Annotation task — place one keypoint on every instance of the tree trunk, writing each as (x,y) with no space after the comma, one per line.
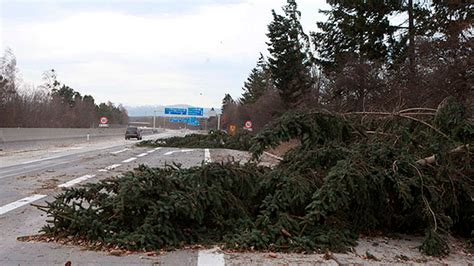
(411,39)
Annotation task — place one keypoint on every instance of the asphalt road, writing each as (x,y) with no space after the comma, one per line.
(32,177)
(36,176)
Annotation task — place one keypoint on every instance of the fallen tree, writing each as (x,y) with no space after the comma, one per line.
(352,174)
(216,139)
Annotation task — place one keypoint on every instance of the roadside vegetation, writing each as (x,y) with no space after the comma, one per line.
(215,139)
(52,104)
(385,131)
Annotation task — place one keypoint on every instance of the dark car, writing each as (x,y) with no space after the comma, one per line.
(133,132)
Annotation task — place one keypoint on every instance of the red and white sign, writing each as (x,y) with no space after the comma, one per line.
(248,124)
(104,120)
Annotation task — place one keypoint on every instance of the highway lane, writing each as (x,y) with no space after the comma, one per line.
(31,172)
(39,180)
(19,218)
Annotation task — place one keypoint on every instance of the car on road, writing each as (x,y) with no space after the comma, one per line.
(133,132)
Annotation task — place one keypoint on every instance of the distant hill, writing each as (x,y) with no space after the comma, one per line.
(147,110)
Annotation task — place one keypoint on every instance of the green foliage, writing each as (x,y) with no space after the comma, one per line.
(351,174)
(257,83)
(159,207)
(67,95)
(434,245)
(452,17)
(227,101)
(373,182)
(217,139)
(115,114)
(290,61)
(363,29)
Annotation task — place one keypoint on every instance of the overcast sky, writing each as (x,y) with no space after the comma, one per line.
(144,52)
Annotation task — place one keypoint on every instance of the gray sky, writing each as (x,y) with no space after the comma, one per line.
(144,52)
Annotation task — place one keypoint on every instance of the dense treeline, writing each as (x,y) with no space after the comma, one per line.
(367,55)
(52,104)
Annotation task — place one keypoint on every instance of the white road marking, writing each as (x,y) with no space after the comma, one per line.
(66,149)
(210,257)
(120,151)
(171,152)
(142,154)
(129,160)
(207,156)
(75,181)
(113,166)
(110,167)
(152,151)
(44,159)
(24,201)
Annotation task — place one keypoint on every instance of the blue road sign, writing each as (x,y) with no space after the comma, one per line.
(176,120)
(175,111)
(195,111)
(192,121)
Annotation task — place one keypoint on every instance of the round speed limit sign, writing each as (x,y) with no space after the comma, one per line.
(248,124)
(104,120)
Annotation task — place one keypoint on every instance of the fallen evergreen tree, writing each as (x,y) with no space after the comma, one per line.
(216,139)
(404,172)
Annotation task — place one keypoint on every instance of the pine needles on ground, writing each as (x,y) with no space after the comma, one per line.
(408,172)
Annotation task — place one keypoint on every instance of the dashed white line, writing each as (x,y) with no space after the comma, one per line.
(16,204)
(129,160)
(210,257)
(207,156)
(120,151)
(75,181)
(43,159)
(142,154)
(171,152)
(152,151)
(110,167)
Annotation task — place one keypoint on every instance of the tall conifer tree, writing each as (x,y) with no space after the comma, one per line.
(257,83)
(290,59)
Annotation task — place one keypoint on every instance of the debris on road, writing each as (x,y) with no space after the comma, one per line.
(217,139)
(353,174)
